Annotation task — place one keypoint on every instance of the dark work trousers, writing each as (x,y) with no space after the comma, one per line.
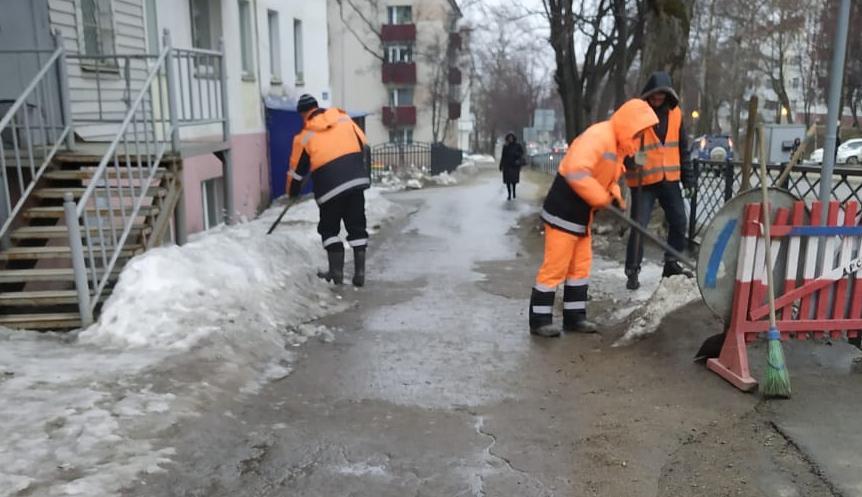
(669,196)
(350,208)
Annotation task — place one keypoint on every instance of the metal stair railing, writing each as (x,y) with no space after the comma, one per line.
(32,131)
(101,220)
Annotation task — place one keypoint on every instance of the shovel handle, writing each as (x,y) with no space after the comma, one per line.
(651,237)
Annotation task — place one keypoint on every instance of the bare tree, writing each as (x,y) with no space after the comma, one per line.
(668,23)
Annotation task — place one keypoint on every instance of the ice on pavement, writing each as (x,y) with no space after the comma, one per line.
(217,317)
(671,294)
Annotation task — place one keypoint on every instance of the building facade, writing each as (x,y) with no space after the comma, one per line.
(404,63)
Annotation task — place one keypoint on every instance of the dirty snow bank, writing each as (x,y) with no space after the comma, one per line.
(671,294)
(185,326)
(415,178)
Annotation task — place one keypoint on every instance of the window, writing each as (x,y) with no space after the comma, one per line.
(404,135)
(97,21)
(399,53)
(400,14)
(401,97)
(245,39)
(274,46)
(206,24)
(795,82)
(212,192)
(298,63)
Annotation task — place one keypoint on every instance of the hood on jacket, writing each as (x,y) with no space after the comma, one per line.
(506,138)
(660,81)
(631,118)
(323,119)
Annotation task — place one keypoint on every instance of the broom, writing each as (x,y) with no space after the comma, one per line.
(776,380)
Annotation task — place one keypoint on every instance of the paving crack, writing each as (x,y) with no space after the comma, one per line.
(491,455)
(812,465)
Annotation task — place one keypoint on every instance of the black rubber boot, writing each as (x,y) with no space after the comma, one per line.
(359,266)
(336,267)
(542,322)
(674,268)
(580,324)
(632,282)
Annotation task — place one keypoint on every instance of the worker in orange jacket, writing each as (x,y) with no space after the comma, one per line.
(332,149)
(587,179)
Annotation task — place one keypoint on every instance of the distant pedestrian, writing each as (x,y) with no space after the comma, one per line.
(587,180)
(512,159)
(332,148)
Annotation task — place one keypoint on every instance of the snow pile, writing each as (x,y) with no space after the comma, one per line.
(672,293)
(443,179)
(217,317)
(479,158)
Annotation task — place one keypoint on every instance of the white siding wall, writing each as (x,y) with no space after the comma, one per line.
(313,14)
(84,84)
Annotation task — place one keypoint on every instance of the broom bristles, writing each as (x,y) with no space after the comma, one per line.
(776,382)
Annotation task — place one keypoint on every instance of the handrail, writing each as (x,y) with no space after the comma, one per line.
(52,127)
(101,221)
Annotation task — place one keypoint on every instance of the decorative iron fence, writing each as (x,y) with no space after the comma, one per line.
(718,182)
(394,157)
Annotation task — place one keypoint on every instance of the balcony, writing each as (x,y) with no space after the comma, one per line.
(399,73)
(454,110)
(398,32)
(400,116)
(454,76)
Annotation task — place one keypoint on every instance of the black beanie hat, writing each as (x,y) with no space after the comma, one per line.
(306,103)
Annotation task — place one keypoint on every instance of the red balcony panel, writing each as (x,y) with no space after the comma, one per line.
(399,116)
(454,76)
(454,110)
(399,73)
(455,41)
(398,32)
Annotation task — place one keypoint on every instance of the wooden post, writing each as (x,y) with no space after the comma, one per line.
(748,153)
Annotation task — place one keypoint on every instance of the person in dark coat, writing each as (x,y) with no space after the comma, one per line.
(511,161)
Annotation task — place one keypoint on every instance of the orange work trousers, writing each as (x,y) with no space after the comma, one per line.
(568,259)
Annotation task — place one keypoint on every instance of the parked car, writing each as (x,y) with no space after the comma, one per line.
(559,147)
(816,156)
(850,152)
(712,147)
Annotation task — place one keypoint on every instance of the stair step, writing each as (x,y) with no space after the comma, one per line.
(28,275)
(47,297)
(53,321)
(84,174)
(58,193)
(58,212)
(38,253)
(60,232)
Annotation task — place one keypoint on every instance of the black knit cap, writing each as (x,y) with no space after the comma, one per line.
(306,103)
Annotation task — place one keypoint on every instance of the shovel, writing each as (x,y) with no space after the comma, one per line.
(290,203)
(685,261)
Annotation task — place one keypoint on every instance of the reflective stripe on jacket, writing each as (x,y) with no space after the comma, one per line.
(331,149)
(663,159)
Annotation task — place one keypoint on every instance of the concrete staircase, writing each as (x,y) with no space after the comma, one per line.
(37,281)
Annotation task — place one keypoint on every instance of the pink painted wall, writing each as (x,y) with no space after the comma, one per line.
(250,179)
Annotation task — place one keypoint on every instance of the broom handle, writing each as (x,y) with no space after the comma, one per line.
(644,232)
(767,229)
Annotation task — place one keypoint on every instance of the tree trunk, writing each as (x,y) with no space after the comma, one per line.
(666,37)
(622,67)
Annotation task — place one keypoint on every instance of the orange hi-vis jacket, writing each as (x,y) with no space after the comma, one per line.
(331,148)
(588,175)
(663,160)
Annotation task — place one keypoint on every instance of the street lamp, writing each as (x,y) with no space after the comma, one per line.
(784,112)
(695,114)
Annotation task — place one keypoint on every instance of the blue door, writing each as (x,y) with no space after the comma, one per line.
(282,125)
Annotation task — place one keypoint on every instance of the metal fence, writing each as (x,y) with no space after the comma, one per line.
(32,129)
(718,182)
(547,162)
(392,158)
